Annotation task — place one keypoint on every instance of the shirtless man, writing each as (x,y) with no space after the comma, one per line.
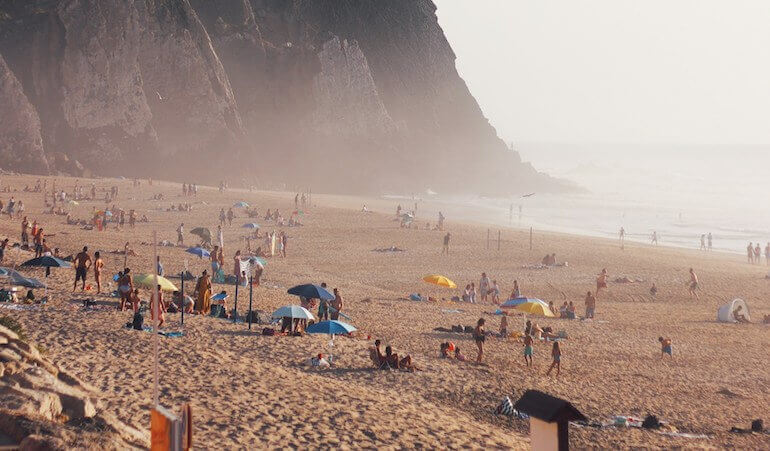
(38,239)
(693,285)
(82,262)
(601,281)
(750,253)
(98,267)
(24,234)
(337,305)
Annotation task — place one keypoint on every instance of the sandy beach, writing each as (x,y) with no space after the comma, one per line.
(250,391)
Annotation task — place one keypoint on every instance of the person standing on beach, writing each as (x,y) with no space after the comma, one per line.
(38,239)
(479,336)
(484,286)
(665,347)
(158,266)
(24,229)
(180,234)
(767,254)
(556,354)
(3,246)
(750,253)
(516,293)
(693,286)
(703,242)
(222,217)
(710,240)
(528,349)
(601,281)
(98,267)
(82,262)
(337,305)
(622,238)
(758,254)
(203,298)
(230,216)
(590,305)
(445,249)
(654,237)
(284,243)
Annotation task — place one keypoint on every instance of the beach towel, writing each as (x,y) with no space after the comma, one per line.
(172,334)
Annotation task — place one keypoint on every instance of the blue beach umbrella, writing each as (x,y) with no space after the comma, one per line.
(47,261)
(240,204)
(250,225)
(310,291)
(330,328)
(512,303)
(199,251)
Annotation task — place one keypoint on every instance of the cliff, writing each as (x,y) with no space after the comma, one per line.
(341,95)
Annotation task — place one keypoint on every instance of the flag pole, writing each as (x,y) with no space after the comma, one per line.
(154,304)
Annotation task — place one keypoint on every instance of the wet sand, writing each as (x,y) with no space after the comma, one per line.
(249,390)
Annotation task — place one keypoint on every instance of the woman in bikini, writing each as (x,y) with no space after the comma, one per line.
(125,287)
(479,337)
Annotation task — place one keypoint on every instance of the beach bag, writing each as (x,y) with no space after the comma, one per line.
(505,407)
(138,321)
(268,331)
(757,425)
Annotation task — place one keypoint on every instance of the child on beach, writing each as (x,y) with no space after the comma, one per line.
(556,354)
(459,356)
(665,347)
(479,337)
(528,349)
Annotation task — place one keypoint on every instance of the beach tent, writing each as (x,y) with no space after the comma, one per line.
(725,312)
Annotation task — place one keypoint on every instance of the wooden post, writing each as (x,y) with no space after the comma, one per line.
(530,238)
(498,240)
(251,291)
(487,238)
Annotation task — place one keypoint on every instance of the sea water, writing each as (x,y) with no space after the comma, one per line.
(679,192)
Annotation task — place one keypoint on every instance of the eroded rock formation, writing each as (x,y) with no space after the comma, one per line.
(344,95)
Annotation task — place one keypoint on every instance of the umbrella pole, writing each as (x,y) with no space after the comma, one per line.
(181,300)
(155,304)
(251,291)
(235,305)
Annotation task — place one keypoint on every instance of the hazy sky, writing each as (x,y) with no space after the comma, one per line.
(638,71)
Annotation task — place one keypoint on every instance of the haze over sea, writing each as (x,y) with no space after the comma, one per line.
(679,191)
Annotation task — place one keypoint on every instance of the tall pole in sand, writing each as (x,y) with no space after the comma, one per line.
(235,306)
(251,291)
(530,238)
(154,304)
(182,296)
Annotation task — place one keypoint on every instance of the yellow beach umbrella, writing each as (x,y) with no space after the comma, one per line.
(535,308)
(439,280)
(148,281)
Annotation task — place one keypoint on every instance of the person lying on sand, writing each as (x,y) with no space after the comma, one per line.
(459,356)
(665,347)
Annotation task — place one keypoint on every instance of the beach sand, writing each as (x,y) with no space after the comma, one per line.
(253,391)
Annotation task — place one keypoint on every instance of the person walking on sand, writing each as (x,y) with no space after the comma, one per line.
(445,249)
(180,234)
(693,285)
(484,286)
(284,243)
(528,349)
(24,231)
(222,217)
(654,237)
(98,267)
(665,347)
(479,336)
(758,254)
(230,216)
(622,238)
(203,294)
(703,242)
(556,355)
(590,305)
(601,281)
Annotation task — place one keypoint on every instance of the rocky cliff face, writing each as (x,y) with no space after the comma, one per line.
(344,95)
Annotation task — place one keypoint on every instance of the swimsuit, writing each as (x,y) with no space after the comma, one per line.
(80,273)
(557,358)
(667,350)
(528,350)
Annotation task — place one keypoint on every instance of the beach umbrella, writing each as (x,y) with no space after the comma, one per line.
(148,281)
(47,261)
(219,296)
(535,308)
(511,303)
(439,280)
(293,311)
(16,278)
(330,328)
(250,225)
(310,291)
(199,251)
(202,232)
(241,204)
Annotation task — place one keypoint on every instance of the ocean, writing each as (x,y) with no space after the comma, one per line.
(680,192)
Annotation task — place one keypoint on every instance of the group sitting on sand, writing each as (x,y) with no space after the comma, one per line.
(390,360)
